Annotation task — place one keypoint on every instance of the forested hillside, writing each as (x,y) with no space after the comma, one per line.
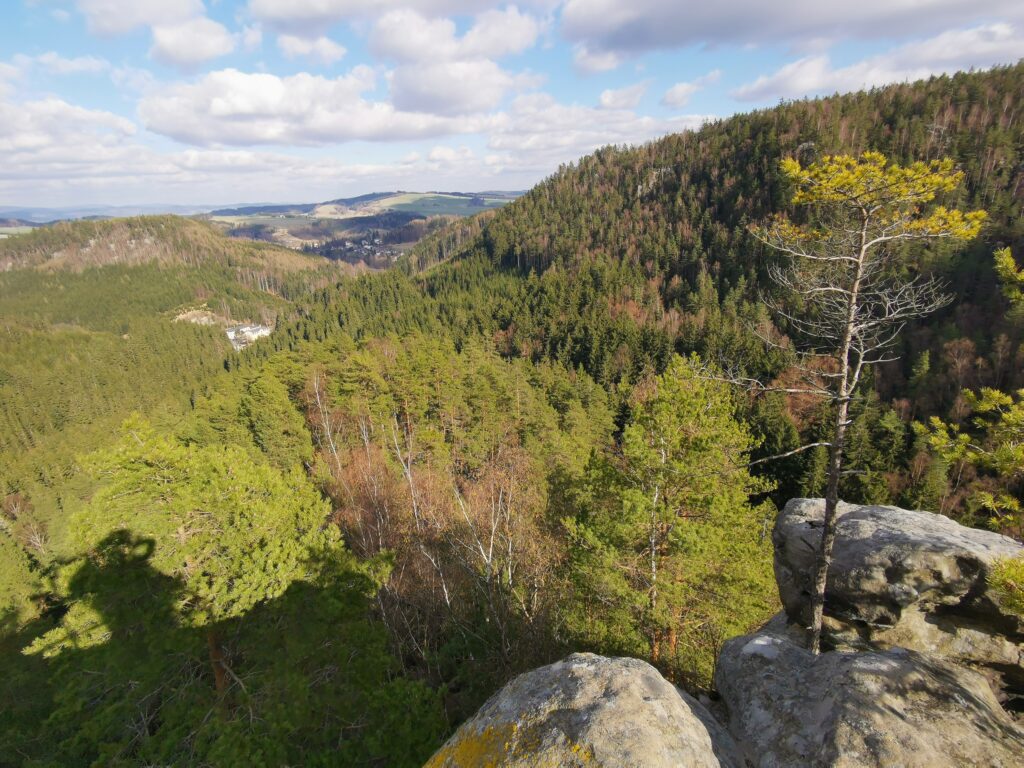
(334,545)
(631,253)
(88,316)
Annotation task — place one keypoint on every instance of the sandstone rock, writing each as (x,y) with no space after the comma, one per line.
(590,710)
(845,709)
(901,578)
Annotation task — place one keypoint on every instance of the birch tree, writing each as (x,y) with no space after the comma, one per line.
(847,294)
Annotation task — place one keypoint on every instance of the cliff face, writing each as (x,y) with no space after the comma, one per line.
(923,669)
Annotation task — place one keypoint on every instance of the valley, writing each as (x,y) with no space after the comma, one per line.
(307,484)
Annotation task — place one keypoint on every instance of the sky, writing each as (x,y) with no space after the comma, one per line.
(215,102)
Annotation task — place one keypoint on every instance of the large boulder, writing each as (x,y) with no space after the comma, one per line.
(842,709)
(590,710)
(901,578)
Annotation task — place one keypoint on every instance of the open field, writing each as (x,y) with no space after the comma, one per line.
(8,231)
(438,204)
(284,221)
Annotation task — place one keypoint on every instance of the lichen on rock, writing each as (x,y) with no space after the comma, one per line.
(588,711)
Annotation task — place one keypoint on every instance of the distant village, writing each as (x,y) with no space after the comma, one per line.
(241,336)
(373,251)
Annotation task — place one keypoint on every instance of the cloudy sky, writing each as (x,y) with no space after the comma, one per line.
(232,101)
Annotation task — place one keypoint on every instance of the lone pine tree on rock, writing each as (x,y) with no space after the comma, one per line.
(846,293)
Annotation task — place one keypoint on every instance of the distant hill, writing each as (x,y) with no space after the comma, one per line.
(426,203)
(681,205)
(261,210)
(163,239)
(36,215)
(372,229)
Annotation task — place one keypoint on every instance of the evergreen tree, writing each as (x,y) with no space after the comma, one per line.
(277,426)
(667,556)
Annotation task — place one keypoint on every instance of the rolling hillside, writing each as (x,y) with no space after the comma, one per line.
(84,303)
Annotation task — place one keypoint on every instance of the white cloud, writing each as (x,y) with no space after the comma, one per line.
(320,14)
(115,17)
(132,79)
(589,62)
(182,35)
(55,64)
(58,65)
(604,29)
(454,87)
(8,73)
(191,42)
(450,154)
(947,52)
(228,107)
(321,49)
(252,37)
(408,36)
(538,132)
(56,153)
(34,126)
(624,98)
(60,15)
(443,73)
(678,96)
(499,33)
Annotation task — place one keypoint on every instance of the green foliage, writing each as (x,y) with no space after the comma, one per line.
(775,434)
(19,584)
(1012,278)
(995,445)
(1006,579)
(235,532)
(276,425)
(871,182)
(667,555)
(1002,417)
(236,574)
(501,386)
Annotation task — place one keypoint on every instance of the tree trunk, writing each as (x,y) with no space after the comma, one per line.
(828,533)
(220,678)
(652,594)
(847,383)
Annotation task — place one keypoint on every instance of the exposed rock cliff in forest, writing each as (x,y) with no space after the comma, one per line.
(922,668)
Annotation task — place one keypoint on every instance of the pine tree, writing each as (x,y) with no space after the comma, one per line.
(667,556)
(849,299)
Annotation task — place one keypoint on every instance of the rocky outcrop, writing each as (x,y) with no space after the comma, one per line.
(922,663)
(892,707)
(590,711)
(902,578)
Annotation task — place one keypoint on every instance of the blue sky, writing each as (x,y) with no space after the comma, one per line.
(235,101)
